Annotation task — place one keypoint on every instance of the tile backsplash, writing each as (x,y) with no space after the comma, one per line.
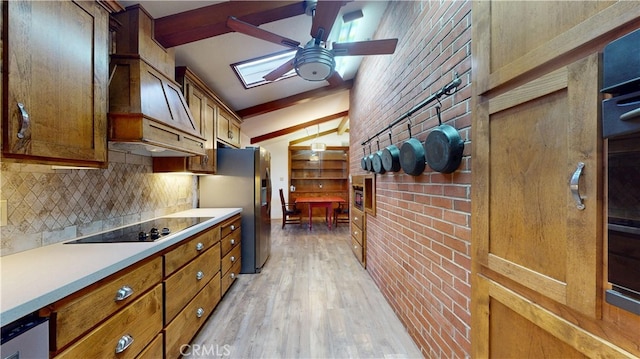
(47,205)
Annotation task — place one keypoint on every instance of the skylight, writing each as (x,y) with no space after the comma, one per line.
(251,72)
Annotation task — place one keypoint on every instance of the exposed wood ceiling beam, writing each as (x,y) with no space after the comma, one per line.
(293,100)
(343,126)
(288,130)
(210,21)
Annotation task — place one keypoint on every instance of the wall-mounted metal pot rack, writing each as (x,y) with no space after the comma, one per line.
(448,89)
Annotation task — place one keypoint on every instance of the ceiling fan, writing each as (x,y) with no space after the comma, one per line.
(314,62)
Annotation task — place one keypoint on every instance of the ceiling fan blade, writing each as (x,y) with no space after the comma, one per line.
(324,17)
(279,71)
(373,47)
(335,79)
(254,31)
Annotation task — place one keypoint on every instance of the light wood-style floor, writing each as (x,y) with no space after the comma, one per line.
(312,300)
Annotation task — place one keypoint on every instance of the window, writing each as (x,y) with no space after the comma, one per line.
(251,72)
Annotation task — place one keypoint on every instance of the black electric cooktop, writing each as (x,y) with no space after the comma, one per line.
(149,231)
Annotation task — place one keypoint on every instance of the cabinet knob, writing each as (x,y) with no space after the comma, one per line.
(355,233)
(124,343)
(355,218)
(123,293)
(199,246)
(233,227)
(199,312)
(199,275)
(232,275)
(233,259)
(233,241)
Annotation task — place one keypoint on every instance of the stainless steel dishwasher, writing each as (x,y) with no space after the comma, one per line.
(27,337)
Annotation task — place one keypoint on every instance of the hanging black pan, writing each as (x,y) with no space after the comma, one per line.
(412,157)
(444,147)
(363,161)
(391,157)
(377,161)
(369,160)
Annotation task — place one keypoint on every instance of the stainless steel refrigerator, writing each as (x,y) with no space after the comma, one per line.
(243,180)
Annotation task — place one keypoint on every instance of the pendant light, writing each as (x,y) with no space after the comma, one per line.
(318,146)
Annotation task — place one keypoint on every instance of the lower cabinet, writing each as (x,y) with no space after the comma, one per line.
(151,309)
(231,265)
(125,334)
(358,235)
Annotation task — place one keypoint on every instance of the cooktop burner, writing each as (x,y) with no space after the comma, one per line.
(148,231)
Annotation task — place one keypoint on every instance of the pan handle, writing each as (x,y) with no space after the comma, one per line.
(574,185)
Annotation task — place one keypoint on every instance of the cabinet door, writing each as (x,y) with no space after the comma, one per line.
(228,129)
(536,135)
(203,115)
(57,61)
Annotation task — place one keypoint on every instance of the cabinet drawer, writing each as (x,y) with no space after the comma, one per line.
(230,226)
(230,276)
(188,322)
(231,241)
(184,253)
(83,310)
(356,234)
(356,248)
(141,321)
(180,287)
(357,218)
(154,350)
(230,259)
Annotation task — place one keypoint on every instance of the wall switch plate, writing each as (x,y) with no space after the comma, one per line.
(3,212)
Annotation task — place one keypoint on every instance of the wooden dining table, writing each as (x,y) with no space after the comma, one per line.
(325,202)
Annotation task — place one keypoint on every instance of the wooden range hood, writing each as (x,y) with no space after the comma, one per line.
(148,114)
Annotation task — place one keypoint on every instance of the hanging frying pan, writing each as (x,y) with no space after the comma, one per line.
(412,158)
(363,161)
(377,161)
(444,147)
(391,157)
(369,160)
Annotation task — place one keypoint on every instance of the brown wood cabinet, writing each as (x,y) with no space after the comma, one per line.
(228,128)
(85,318)
(191,288)
(56,58)
(537,266)
(358,235)
(324,175)
(231,255)
(203,105)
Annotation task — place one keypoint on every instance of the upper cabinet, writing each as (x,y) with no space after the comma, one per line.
(228,128)
(204,109)
(55,69)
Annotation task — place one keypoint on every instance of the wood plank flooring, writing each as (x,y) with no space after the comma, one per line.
(312,300)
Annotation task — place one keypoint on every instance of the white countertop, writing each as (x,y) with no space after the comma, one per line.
(35,278)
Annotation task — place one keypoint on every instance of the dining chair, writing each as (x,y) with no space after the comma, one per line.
(290,214)
(341,214)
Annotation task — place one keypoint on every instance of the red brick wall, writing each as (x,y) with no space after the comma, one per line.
(418,244)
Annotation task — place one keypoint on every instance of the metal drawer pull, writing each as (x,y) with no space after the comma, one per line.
(199,246)
(233,227)
(123,293)
(233,241)
(199,275)
(233,259)
(355,218)
(628,116)
(232,275)
(24,125)
(124,343)
(574,185)
(355,233)
(199,312)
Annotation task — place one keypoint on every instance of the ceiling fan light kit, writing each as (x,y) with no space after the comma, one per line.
(314,63)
